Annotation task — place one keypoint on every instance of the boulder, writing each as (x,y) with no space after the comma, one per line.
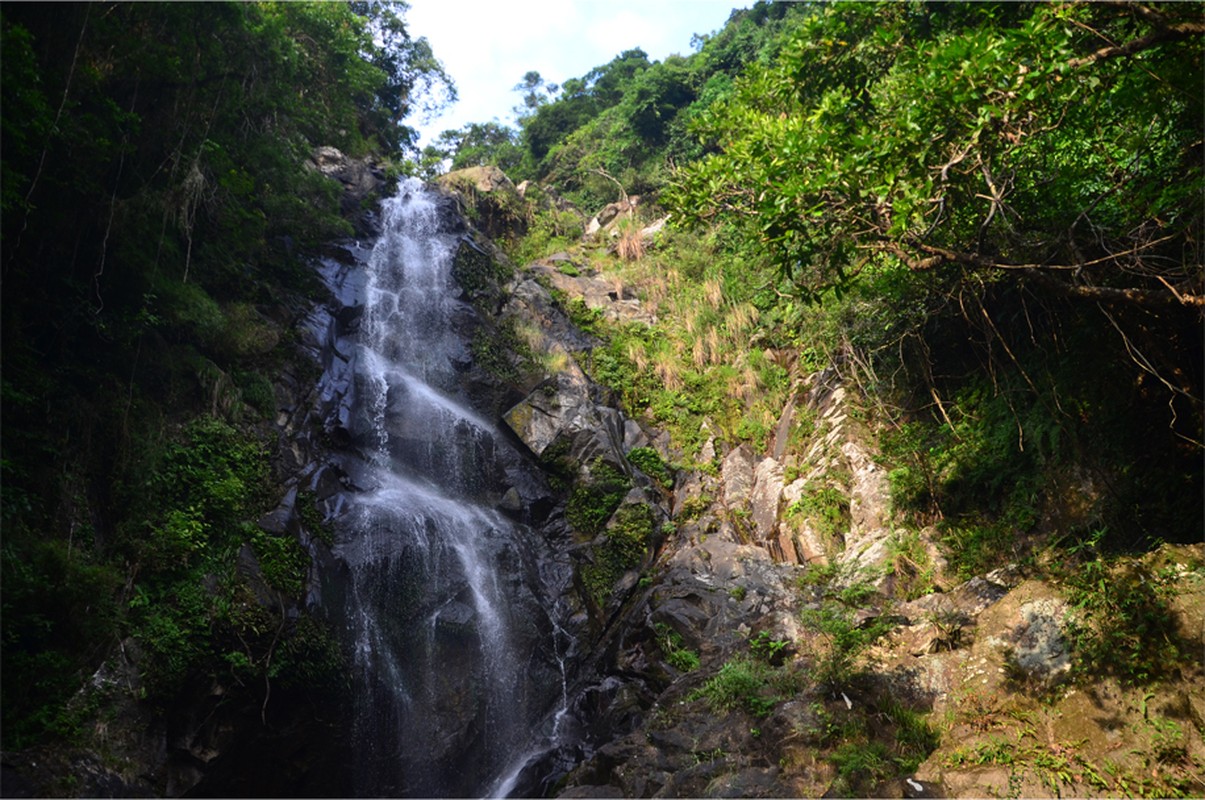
(610,214)
(737,476)
(766,499)
(616,301)
(485,179)
(562,412)
(361,177)
(489,199)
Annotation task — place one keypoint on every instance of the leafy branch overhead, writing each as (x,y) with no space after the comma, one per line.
(1057,141)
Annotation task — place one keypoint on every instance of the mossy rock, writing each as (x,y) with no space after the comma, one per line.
(621,549)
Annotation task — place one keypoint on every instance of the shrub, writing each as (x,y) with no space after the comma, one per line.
(670,643)
(1125,624)
(827,507)
(627,539)
(768,649)
(842,639)
(740,683)
(592,502)
(649,461)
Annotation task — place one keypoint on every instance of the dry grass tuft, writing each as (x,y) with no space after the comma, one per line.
(750,383)
(743,317)
(665,366)
(630,246)
(656,289)
(638,355)
(715,346)
(691,323)
(698,351)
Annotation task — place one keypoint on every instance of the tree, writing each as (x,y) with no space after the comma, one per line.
(155,197)
(413,75)
(940,140)
(656,97)
(536,93)
(478,144)
(1006,203)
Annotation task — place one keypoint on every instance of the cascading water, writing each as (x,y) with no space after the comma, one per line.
(458,663)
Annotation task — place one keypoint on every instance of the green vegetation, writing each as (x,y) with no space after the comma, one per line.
(649,461)
(670,642)
(911,565)
(594,499)
(938,201)
(501,351)
(827,507)
(627,539)
(741,683)
(158,217)
(1123,625)
(838,653)
(936,170)
(982,221)
(1059,767)
(765,647)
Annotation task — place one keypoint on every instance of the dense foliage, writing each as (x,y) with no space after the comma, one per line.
(979,222)
(989,138)
(987,216)
(156,209)
(1015,194)
(628,118)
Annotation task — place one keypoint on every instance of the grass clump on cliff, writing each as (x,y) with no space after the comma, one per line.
(839,641)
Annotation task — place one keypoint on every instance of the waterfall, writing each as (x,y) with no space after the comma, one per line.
(458,672)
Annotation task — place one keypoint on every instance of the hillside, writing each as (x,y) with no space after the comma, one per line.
(897,299)
(847,379)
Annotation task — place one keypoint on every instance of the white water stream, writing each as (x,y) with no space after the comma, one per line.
(444,613)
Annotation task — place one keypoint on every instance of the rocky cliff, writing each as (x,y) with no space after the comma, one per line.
(745,622)
(786,636)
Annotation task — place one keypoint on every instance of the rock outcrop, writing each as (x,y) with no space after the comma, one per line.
(489,199)
(361,178)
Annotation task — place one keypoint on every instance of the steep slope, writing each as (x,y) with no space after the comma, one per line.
(797,634)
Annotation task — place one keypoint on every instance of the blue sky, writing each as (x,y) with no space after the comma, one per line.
(488,45)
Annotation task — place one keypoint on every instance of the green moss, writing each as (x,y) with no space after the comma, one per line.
(557,465)
(649,461)
(694,507)
(311,518)
(479,274)
(310,656)
(501,351)
(627,540)
(592,502)
(257,392)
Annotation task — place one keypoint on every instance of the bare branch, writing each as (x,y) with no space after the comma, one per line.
(623,194)
(939,255)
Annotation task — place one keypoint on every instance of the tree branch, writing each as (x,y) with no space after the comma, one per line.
(623,194)
(1169,33)
(939,255)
